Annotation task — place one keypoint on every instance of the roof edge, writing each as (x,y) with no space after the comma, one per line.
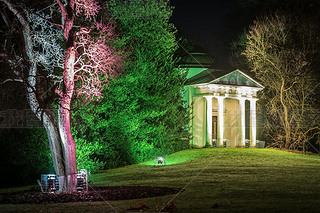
(247,76)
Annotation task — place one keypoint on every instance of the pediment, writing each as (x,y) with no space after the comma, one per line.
(236,78)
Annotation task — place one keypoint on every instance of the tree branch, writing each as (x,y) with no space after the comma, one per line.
(5,17)
(13,80)
(15,12)
(50,22)
(59,92)
(13,63)
(63,10)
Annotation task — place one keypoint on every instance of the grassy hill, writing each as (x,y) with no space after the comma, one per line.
(214,180)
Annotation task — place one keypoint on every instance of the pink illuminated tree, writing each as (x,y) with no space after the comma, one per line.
(87,61)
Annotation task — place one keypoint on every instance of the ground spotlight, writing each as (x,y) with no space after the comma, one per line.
(160,161)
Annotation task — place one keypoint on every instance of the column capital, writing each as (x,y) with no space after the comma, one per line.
(220,97)
(252,99)
(240,98)
(208,97)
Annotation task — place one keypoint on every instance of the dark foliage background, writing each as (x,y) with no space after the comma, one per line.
(24,156)
(24,152)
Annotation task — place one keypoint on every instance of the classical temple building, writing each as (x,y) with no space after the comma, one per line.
(222,104)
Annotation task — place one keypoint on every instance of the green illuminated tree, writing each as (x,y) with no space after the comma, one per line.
(143,114)
(282,51)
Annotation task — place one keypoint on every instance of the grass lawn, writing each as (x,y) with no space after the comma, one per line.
(214,180)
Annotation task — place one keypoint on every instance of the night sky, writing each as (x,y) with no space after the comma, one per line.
(207,23)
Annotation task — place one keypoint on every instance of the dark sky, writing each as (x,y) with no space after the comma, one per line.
(209,23)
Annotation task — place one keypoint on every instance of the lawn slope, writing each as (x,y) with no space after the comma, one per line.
(214,180)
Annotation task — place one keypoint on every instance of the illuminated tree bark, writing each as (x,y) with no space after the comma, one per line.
(87,59)
(34,92)
(69,145)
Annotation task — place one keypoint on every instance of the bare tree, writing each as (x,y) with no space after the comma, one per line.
(282,51)
(24,69)
(87,60)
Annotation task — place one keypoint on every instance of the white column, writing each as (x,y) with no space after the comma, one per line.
(220,118)
(191,109)
(253,126)
(243,120)
(209,119)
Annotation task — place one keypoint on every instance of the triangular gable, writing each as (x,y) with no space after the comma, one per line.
(207,76)
(236,78)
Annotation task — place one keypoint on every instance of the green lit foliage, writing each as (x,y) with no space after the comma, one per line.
(88,154)
(95,150)
(152,81)
(141,114)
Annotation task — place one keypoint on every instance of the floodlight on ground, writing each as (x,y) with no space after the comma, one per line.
(50,183)
(214,143)
(247,143)
(160,161)
(82,180)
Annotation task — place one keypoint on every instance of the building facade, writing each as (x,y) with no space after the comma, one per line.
(222,103)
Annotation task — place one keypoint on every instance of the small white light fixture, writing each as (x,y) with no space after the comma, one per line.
(160,161)
(82,180)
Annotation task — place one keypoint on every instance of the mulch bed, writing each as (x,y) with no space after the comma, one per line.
(94,194)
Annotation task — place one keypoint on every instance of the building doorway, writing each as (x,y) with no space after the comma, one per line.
(215,127)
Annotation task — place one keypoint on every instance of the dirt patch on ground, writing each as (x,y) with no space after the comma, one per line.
(94,194)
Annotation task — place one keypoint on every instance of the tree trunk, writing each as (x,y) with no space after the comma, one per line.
(286,116)
(52,130)
(51,127)
(55,145)
(49,122)
(69,144)
(69,149)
